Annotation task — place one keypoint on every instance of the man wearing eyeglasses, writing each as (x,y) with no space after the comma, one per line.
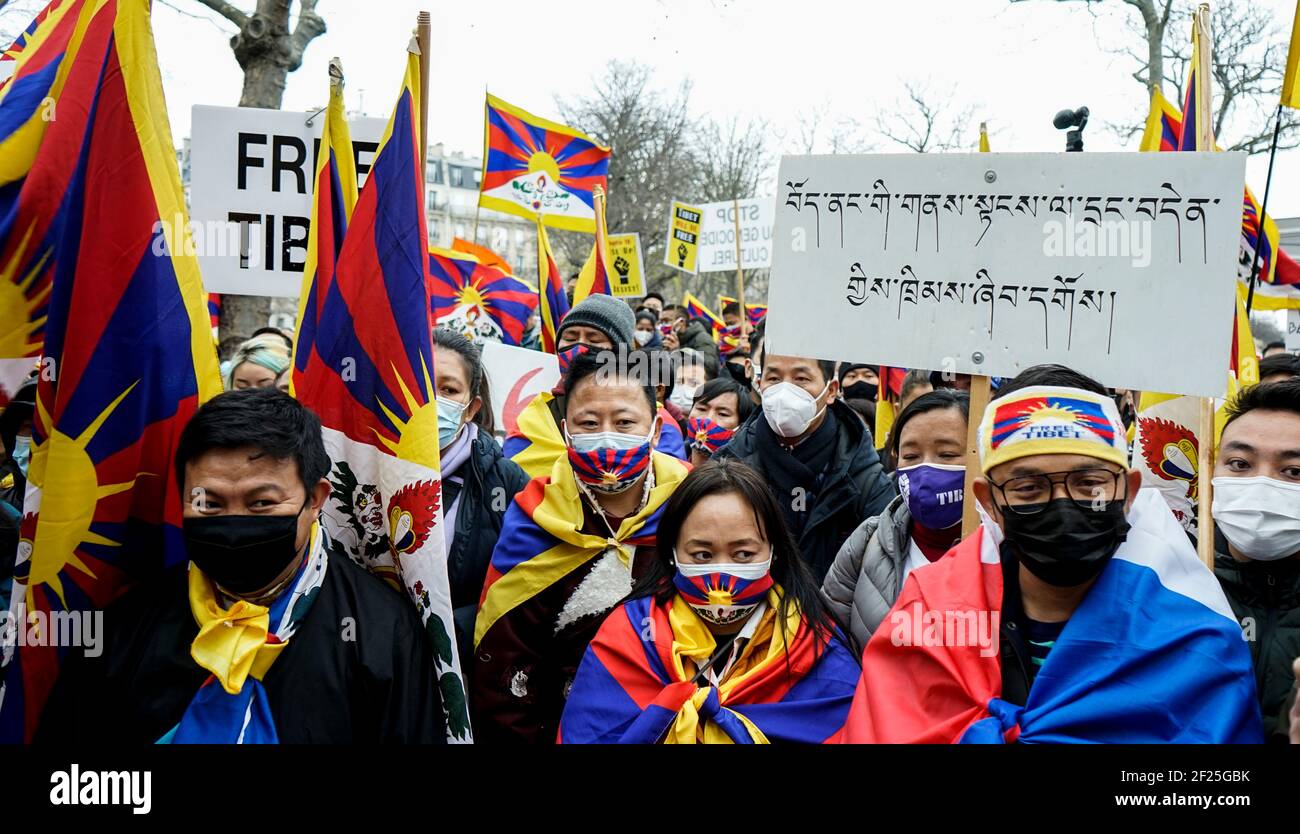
(1077,612)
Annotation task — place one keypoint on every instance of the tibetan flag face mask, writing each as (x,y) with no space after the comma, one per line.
(706,435)
(723,594)
(608,461)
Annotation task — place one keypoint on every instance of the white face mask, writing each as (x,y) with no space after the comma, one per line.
(643,337)
(1259,516)
(789,409)
(683,396)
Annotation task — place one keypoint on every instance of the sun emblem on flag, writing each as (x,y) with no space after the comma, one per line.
(24,327)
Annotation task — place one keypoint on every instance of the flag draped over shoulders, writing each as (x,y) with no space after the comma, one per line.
(542,540)
(1151,655)
(634,685)
(127,348)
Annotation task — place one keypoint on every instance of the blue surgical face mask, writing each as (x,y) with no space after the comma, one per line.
(449,425)
(22,452)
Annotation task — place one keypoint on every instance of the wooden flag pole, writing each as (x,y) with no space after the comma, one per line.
(1205,425)
(423,29)
(979,400)
(740,273)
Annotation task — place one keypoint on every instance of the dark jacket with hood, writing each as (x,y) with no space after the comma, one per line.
(490,482)
(697,337)
(851,489)
(1265,597)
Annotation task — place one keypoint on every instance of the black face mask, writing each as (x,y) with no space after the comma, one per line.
(861,390)
(242,553)
(1065,545)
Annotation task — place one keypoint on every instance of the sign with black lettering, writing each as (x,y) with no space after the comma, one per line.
(718,234)
(251,175)
(683,242)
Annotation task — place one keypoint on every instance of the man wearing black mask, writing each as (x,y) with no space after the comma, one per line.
(1077,612)
(267,634)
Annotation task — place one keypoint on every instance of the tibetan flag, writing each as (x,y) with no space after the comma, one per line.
(128,354)
(539,169)
(38,63)
(754,312)
(485,255)
(697,310)
(1153,654)
(214,313)
(1291,80)
(480,302)
(553,303)
(595,277)
(334,196)
(369,375)
(634,685)
(1164,126)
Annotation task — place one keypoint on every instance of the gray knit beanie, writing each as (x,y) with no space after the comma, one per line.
(605,313)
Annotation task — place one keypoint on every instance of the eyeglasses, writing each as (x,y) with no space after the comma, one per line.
(1088,488)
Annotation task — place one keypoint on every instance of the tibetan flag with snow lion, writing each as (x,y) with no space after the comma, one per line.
(127,348)
(369,375)
(540,169)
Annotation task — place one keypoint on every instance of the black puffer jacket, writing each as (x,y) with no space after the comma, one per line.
(1265,597)
(491,482)
(854,487)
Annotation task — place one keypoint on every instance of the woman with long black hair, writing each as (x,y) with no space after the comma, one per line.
(724,640)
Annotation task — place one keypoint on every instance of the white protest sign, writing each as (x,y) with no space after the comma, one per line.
(718,234)
(515,376)
(251,174)
(1293,331)
(1119,265)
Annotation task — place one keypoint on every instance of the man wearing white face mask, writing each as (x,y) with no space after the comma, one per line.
(815,453)
(1257,533)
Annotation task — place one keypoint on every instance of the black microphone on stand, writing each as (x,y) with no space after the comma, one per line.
(1074,121)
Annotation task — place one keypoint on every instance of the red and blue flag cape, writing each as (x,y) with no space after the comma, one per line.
(634,685)
(127,345)
(1153,654)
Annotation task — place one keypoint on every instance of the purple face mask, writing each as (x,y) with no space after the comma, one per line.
(933,493)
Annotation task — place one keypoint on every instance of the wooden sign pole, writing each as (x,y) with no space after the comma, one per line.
(423,37)
(979,400)
(740,273)
(1205,428)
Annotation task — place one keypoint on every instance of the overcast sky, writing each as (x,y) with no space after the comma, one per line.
(1018,63)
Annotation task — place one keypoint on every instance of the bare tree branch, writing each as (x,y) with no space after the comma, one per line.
(227,11)
(922,126)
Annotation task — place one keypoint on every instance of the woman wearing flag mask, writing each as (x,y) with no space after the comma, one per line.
(478,482)
(571,546)
(724,641)
(919,526)
(720,407)
(598,323)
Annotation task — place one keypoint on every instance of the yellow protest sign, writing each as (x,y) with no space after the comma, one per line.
(625,257)
(683,237)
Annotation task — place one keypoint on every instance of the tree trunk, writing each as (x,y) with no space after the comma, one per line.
(267,51)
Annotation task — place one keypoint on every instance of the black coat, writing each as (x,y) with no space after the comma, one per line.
(376,684)
(491,482)
(1265,597)
(854,488)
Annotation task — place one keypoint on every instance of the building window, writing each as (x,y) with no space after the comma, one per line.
(461,177)
(435,172)
(433,201)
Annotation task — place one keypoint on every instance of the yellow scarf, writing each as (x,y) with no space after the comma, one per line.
(693,645)
(231,643)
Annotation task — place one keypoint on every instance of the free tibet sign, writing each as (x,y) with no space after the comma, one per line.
(683,243)
(625,257)
(1120,265)
(251,173)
